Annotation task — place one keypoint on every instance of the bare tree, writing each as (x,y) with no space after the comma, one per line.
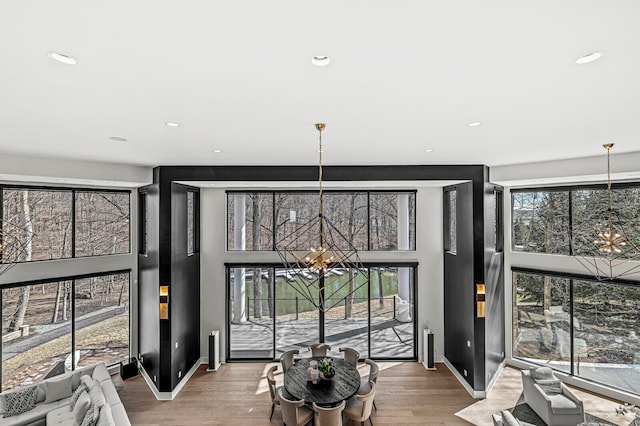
(23,298)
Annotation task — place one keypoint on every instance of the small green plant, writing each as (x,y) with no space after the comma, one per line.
(325,366)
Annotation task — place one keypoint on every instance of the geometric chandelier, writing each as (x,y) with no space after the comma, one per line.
(322,265)
(609,250)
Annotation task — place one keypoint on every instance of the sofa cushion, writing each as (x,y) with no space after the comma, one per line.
(560,404)
(508,419)
(100,373)
(91,418)
(57,388)
(110,393)
(81,407)
(106,417)
(61,415)
(550,386)
(20,401)
(87,381)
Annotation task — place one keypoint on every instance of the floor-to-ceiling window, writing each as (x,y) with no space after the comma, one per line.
(371,309)
(53,324)
(563,315)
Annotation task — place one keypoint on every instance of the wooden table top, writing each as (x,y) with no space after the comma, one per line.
(344,384)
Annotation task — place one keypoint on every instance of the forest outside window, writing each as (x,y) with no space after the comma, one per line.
(368,220)
(41,322)
(56,223)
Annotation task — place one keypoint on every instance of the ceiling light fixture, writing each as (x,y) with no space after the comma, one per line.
(322,262)
(320,60)
(589,58)
(64,59)
(428,150)
(118,139)
(172,124)
(606,254)
(217,151)
(475,124)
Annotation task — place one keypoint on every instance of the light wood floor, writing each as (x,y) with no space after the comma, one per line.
(407,394)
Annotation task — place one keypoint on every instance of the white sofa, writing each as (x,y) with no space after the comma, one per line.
(53,401)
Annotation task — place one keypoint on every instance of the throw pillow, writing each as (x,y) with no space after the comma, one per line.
(509,420)
(57,389)
(87,380)
(76,394)
(97,397)
(542,373)
(20,401)
(81,407)
(106,416)
(91,418)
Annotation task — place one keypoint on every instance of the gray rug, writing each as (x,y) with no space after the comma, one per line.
(523,412)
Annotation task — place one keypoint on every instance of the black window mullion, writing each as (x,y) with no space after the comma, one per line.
(571,337)
(273,226)
(368,220)
(73,224)
(73,324)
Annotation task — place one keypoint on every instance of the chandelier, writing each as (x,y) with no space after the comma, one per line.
(322,264)
(609,249)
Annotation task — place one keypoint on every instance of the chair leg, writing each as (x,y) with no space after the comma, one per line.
(370,421)
(374,405)
(273,407)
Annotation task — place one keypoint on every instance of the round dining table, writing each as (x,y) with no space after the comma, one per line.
(343,385)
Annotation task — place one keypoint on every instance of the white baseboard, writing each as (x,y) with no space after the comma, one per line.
(474,393)
(169,396)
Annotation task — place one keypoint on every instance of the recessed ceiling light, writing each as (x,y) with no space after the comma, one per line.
(320,60)
(65,59)
(117,139)
(589,58)
(320,152)
(475,124)
(217,151)
(172,124)
(428,150)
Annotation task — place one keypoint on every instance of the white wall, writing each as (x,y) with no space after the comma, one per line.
(429,255)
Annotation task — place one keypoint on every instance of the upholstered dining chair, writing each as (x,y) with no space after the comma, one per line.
(287,359)
(294,413)
(328,416)
(373,377)
(351,356)
(273,390)
(319,349)
(359,407)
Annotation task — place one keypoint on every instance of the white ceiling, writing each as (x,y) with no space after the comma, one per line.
(404,76)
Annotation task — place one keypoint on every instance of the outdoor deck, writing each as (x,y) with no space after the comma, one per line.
(390,338)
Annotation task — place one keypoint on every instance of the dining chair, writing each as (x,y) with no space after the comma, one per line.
(294,413)
(273,390)
(351,356)
(373,377)
(319,349)
(331,416)
(287,359)
(359,407)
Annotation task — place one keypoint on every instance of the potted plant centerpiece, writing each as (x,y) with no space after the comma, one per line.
(327,371)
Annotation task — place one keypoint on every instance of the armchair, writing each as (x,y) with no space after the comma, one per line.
(550,398)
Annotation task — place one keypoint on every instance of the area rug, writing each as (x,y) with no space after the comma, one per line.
(523,412)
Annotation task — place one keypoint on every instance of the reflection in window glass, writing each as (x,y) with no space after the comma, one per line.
(541,320)
(36,333)
(102,319)
(540,222)
(387,232)
(39,221)
(250,221)
(102,223)
(606,339)
(451,242)
(392,308)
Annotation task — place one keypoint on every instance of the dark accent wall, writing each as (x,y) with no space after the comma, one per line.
(459,290)
(148,289)
(185,290)
(166,263)
(494,281)
(461,274)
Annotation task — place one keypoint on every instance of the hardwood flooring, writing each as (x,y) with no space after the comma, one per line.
(407,394)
